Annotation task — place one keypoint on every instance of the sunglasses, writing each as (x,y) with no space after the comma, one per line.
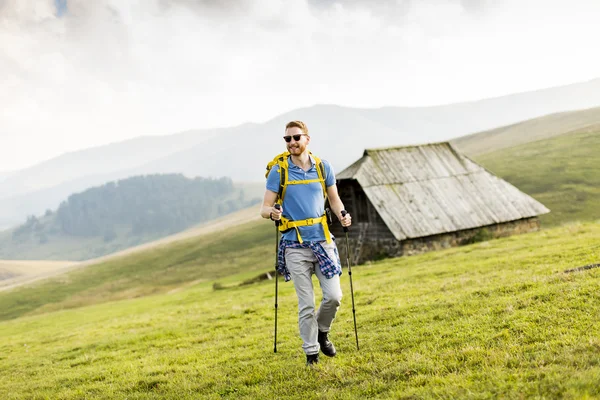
(296,137)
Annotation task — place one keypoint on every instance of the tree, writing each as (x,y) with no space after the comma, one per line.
(149,205)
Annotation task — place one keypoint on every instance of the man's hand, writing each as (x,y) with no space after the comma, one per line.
(346,220)
(276,213)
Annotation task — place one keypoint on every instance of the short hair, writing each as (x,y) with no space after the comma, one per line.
(297,124)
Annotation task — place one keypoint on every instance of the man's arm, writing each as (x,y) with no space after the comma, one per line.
(337,206)
(267,210)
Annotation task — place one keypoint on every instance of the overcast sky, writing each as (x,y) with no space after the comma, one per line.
(78,73)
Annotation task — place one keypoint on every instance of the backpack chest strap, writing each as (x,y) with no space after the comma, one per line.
(304,182)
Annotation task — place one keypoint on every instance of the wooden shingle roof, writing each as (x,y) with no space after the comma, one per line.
(431,189)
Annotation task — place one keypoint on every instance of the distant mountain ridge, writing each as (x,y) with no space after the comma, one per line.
(104,159)
(532,130)
(339,134)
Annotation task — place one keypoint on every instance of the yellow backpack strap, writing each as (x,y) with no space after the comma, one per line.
(287,224)
(283,178)
(270,167)
(321,173)
(281,161)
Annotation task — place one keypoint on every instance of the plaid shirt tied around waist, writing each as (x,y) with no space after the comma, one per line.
(329,268)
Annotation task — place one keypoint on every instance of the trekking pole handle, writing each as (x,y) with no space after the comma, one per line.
(278,207)
(344,212)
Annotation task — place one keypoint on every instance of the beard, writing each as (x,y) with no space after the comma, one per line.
(296,148)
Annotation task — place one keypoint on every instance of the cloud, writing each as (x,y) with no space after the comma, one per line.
(107,70)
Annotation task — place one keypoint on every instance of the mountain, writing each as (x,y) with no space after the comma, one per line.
(99,160)
(14,209)
(339,134)
(118,215)
(530,131)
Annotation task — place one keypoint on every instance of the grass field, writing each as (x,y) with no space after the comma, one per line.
(563,173)
(25,272)
(243,249)
(497,319)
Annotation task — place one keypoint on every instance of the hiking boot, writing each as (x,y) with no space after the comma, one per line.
(312,359)
(326,346)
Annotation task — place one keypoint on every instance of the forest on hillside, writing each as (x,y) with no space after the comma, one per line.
(142,205)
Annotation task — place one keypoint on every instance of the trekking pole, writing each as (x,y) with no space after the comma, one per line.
(350,274)
(277,206)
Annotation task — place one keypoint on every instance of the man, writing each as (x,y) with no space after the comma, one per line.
(306,245)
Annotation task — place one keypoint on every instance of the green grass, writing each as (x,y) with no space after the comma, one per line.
(158,270)
(497,319)
(563,173)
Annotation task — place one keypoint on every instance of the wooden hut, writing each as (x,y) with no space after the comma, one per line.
(412,199)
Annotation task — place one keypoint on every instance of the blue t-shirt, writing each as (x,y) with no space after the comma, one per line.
(303,201)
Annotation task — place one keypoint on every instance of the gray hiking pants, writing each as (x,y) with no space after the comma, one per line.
(302,263)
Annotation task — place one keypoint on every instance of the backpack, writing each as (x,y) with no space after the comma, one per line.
(282,161)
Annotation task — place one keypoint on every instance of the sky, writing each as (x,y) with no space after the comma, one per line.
(80,73)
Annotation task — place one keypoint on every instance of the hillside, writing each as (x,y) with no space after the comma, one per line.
(545,127)
(20,273)
(154,270)
(122,214)
(562,173)
(16,272)
(493,319)
(240,152)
